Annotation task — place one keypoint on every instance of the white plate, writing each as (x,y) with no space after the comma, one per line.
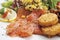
(3,35)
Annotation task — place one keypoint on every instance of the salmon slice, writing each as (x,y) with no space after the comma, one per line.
(20,28)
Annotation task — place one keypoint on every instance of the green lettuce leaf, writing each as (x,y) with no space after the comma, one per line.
(50,3)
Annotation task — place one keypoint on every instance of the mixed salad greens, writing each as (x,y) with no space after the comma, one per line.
(8,3)
(38,15)
(51,3)
(7,13)
(31,4)
(2,11)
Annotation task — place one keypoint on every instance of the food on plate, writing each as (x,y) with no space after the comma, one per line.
(31,17)
(30,7)
(7,14)
(37,29)
(23,28)
(37,1)
(48,19)
(25,2)
(34,15)
(58,5)
(38,5)
(39,12)
(57,10)
(20,28)
(26,30)
(28,21)
(51,30)
(7,4)
(22,12)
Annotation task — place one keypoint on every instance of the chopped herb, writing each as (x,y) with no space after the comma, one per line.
(2,11)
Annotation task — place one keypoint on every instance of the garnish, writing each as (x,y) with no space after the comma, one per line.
(2,11)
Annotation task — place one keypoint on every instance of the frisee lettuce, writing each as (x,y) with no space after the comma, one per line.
(50,3)
(7,4)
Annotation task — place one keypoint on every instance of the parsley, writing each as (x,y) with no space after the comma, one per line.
(2,11)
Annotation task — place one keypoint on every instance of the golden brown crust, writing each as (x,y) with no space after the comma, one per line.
(48,19)
(52,30)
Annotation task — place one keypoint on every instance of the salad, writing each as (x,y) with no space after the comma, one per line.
(7,14)
(41,17)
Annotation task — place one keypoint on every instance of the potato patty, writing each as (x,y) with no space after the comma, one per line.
(51,30)
(48,19)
